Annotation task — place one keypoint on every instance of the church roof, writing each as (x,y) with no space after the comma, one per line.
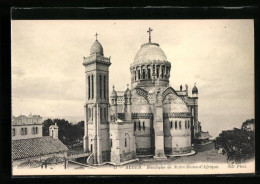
(150,52)
(96,48)
(26,148)
(127,92)
(54,126)
(113,93)
(194,89)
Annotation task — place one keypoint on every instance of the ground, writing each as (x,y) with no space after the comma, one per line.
(204,154)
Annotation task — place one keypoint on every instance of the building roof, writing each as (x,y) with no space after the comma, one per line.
(96,48)
(113,93)
(203,135)
(54,126)
(149,52)
(25,148)
(194,89)
(128,93)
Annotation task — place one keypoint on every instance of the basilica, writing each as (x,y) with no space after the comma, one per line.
(149,118)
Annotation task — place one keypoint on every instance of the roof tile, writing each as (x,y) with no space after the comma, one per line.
(25,148)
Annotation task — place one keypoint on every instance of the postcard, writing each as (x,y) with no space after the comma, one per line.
(142,97)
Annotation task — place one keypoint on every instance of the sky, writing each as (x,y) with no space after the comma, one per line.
(48,75)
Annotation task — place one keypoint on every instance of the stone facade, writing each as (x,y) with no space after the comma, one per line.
(151,118)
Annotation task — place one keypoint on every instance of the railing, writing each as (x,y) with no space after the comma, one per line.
(96,57)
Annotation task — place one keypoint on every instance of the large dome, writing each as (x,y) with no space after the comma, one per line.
(96,48)
(149,52)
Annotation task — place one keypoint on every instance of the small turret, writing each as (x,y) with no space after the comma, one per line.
(195,91)
(53,131)
(113,97)
(128,97)
(113,107)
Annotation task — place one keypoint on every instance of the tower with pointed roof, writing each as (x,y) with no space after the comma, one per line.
(96,135)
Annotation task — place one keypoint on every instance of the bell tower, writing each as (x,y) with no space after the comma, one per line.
(96,127)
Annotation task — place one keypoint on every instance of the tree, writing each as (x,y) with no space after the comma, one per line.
(69,134)
(246,123)
(237,144)
(45,126)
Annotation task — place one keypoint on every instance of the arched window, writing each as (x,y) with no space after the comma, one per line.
(88,87)
(188,124)
(111,143)
(101,112)
(143,73)
(162,72)
(179,124)
(104,81)
(176,125)
(139,125)
(13,131)
(171,125)
(157,72)
(143,125)
(92,113)
(139,74)
(125,142)
(134,126)
(135,75)
(36,130)
(22,131)
(89,113)
(92,82)
(25,131)
(105,114)
(149,73)
(100,86)
(33,131)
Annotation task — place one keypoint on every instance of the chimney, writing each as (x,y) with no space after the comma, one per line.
(53,131)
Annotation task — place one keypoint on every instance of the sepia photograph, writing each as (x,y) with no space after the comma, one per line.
(133,97)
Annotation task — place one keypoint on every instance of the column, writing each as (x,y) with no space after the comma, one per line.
(160,71)
(158,130)
(196,119)
(99,143)
(85,138)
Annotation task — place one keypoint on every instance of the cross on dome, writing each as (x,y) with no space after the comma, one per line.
(96,35)
(149,31)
